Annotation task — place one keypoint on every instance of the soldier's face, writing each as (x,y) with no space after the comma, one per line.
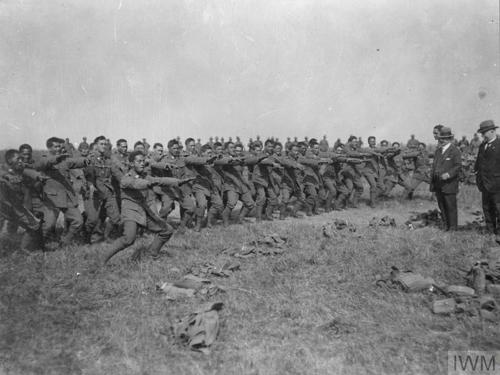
(16,162)
(384,144)
(257,149)
(278,149)
(26,155)
(174,150)
(122,148)
(218,150)
(238,151)
(55,149)
(315,149)
(139,148)
(207,153)
(396,146)
(269,148)
(159,150)
(84,152)
(101,146)
(230,149)
(138,164)
(190,147)
(372,142)
(294,151)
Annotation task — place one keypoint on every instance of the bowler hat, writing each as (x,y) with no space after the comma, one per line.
(445,133)
(486,125)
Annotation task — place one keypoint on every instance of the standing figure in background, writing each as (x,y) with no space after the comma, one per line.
(444,178)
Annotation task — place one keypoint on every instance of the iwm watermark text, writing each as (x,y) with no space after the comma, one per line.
(473,362)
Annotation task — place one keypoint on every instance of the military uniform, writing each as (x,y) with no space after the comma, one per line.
(139,209)
(100,173)
(265,194)
(313,181)
(172,166)
(15,201)
(420,172)
(292,186)
(234,186)
(59,193)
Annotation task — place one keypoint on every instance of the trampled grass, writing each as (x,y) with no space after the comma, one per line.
(312,310)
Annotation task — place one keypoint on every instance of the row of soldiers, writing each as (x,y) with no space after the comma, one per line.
(103,190)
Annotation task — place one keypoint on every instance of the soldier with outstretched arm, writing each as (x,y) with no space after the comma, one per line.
(139,208)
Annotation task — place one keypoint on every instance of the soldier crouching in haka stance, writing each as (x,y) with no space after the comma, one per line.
(139,208)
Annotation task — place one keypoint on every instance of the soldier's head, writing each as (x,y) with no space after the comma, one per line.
(139,146)
(173,147)
(436,130)
(137,161)
(396,145)
(211,139)
(85,151)
(229,147)
(238,139)
(295,139)
(353,141)
(412,136)
(269,146)
(54,145)
(314,146)
(384,143)
(158,149)
(293,150)
(218,148)
(238,149)
(302,147)
(190,145)
(258,137)
(122,146)
(278,148)
(372,141)
(26,152)
(85,139)
(198,140)
(422,146)
(13,160)
(230,139)
(256,147)
(206,151)
(101,144)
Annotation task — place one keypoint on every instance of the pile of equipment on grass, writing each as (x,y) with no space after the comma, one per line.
(271,244)
(479,297)
(424,219)
(199,329)
(385,221)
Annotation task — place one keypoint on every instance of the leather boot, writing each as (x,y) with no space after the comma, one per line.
(243,213)
(269,213)
(210,217)
(197,226)
(225,217)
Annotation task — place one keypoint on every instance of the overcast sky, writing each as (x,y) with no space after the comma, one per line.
(158,69)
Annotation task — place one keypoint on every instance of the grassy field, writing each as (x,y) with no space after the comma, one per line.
(312,310)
